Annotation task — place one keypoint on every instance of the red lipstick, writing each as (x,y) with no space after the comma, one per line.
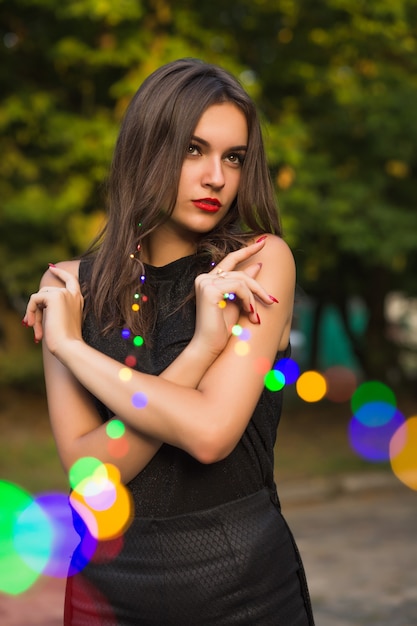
(211,205)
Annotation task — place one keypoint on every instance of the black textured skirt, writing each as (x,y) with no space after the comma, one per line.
(232,565)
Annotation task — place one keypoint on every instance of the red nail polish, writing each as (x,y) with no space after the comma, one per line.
(35,340)
(261,239)
(252,310)
(258,318)
(51,264)
(274,299)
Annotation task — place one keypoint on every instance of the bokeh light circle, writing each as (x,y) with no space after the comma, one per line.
(118,448)
(274,380)
(82,468)
(111,522)
(38,536)
(262,365)
(242,333)
(99,493)
(125,374)
(374,414)
(242,348)
(372,391)
(85,526)
(66,539)
(373,442)
(130,360)
(103,503)
(108,550)
(341,383)
(32,537)
(15,574)
(311,386)
(403,453)
(289,368)
(47,542)
(139,400)
(115,429)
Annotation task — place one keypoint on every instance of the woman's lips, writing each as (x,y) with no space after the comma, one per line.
(211,205)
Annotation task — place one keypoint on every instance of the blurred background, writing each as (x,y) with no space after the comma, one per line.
(336,85)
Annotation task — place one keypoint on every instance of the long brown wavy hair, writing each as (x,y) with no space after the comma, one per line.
(144,176)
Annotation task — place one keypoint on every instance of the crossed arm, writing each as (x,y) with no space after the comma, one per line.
(203,401)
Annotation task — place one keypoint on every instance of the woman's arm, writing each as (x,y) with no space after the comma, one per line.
(207,421)
(77,427)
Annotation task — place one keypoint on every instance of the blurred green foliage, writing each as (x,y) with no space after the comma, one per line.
(336,84)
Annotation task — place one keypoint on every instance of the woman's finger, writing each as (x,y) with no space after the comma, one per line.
(246,277)
(238,256)
(70,281)
(37,326)
(231,286)
(36,301)
(252,270)
(34,310)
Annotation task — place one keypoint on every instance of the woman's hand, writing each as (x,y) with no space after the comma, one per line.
(55,312)
(223,293)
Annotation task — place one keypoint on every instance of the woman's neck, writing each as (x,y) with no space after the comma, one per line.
(162,248)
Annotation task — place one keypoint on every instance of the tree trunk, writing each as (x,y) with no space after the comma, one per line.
(381,355)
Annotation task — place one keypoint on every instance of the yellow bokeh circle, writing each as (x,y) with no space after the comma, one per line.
(112,521)
(311,386)
(403,453)
(242,348)
(125,374)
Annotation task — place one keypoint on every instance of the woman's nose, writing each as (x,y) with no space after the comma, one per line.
(213,174)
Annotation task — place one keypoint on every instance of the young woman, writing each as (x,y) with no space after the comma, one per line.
(192,249)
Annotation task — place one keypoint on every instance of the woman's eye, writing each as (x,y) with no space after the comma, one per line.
(236,158)
(192,150)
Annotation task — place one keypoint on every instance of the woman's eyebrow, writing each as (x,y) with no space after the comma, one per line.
(207,144)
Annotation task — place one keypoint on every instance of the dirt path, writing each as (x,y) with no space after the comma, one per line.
(42,605)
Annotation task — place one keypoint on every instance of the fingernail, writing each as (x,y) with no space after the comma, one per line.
(258,318)
(252,310)
(261,239)
(51,264)
(35,340)
(274,299)
(24,323)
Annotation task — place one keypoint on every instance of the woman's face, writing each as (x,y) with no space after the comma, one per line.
(211,170)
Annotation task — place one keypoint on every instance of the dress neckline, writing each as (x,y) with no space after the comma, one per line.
(174,269)
(171,263)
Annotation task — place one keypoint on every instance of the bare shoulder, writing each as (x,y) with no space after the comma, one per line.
(49,280)
(276,256)
(276,246)
(278,277)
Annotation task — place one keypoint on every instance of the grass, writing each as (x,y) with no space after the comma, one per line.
(312,441)
(28,455)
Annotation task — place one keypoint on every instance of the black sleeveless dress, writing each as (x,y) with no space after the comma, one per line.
(208,545)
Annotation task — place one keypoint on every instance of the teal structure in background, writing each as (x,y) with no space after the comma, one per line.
(334,344)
